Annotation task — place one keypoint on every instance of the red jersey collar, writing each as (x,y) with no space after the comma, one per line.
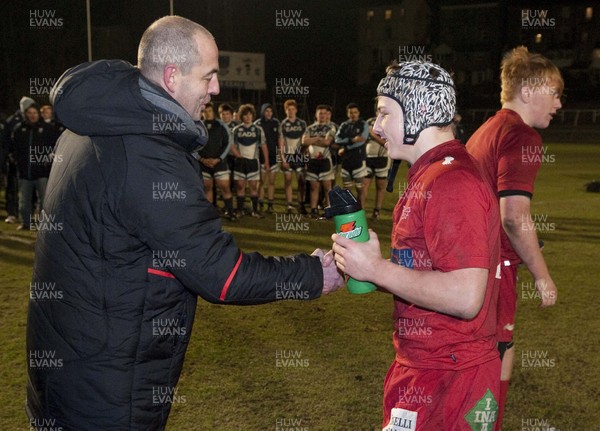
(433,155)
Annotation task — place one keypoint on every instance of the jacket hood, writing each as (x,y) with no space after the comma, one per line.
(112,98)
(264,107)
(25,103)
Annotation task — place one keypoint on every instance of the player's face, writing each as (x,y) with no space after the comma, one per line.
(291,111)
(226,116)
(321,116)
(353,114)
(46,112)
(543,104)
(390,126)
(268,114)
(208,113)
(328,116)
(32,114)
(247,117)
(196,87)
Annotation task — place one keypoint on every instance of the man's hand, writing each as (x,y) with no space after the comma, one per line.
(209,162)
(359,260)
(332,279)
(547,290)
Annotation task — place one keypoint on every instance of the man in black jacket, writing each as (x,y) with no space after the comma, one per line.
(138,241)
(32,148)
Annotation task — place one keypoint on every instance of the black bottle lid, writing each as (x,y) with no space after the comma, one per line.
(341,201)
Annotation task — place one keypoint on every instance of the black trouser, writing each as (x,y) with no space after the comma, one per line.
(12,191)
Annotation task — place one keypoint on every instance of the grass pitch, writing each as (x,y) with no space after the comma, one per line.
(320,365)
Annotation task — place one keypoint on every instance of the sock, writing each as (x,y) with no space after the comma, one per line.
(229,205)
(254,200)
(240,203)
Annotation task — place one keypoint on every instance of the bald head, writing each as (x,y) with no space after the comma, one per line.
(171,40)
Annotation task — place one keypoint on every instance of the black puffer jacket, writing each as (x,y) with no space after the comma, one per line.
(126,243)
(33,149)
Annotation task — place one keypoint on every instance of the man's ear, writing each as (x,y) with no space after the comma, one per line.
(525,94)
(170,77)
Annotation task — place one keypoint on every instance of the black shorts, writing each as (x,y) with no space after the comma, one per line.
(378,167)
(219,172)
(353,168)
(246,169)
(297,162)
(319,170)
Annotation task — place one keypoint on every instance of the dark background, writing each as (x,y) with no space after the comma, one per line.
(325,54)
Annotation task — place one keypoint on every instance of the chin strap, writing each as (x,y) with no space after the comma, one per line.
(392,176)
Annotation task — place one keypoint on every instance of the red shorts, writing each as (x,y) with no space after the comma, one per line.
(507,303)
(417,399)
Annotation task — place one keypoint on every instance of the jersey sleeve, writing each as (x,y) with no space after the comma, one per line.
(226,139)
(234,136)
(518,162)
(215,268)
(456,222)
(263,136)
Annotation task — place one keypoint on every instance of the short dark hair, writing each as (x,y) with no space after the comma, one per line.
(225,107)
(325,107)
(352,105)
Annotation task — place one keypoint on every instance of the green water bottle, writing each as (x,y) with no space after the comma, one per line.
(350,222)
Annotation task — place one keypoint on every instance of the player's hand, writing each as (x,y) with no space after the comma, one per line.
(547,291)
(359,260)
(332,279)
(341,151)
(210,162)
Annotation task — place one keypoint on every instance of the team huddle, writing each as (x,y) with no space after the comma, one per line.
(249,153)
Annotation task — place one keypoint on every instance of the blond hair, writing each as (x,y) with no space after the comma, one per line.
(521,68)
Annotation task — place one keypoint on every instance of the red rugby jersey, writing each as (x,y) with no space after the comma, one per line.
(446,219)
(509,153)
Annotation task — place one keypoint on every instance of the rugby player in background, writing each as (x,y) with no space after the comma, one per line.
(531,91)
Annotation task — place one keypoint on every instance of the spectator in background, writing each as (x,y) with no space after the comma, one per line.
(352,136)
(248,141)
(8,165)
(272,128)
(293,160)
(378,165)
(32,146)
(47,113)
(319,170)
(213,156)
(226,116)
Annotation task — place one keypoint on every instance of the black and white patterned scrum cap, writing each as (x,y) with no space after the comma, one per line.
(425,93)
